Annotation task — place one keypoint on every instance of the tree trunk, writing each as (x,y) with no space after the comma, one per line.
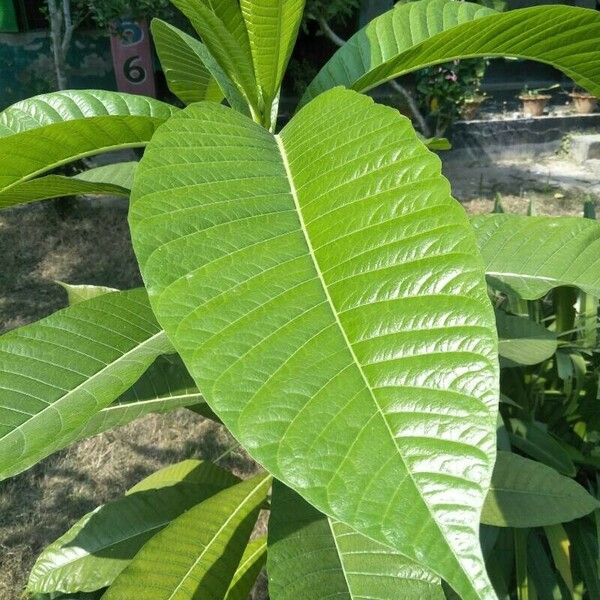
(61,32)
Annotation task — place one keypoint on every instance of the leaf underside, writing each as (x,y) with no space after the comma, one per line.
(325,281)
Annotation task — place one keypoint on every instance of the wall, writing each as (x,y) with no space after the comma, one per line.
(26,66)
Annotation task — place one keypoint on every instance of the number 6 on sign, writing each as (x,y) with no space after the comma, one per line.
(132,58)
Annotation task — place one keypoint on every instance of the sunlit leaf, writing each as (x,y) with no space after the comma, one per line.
(291,273)
(101,544)
(57,373)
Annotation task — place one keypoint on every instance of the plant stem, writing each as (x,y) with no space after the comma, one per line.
(412,104)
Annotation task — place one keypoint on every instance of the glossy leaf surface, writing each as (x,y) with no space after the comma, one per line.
(414,35)
(56,373)
(73,105)
(312,557)
(325,281)
(180,57)
(532,255)
(102,543)
(526,493)
(205,546)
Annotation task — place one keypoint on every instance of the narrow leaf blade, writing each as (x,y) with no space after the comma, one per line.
(205,546)
(101,544)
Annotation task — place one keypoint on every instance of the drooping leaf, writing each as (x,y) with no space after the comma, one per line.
(55,186)
(34,152)
(414,35)
(312,557)
(72,105)
(180,56)
(272,30)
(526,493)
(205,546)
(221,26)
(252,562)
(533,255)
(523,341)
(531,439)
(101,544)
(120,174)
(56,373)
(166,385)
(291,272)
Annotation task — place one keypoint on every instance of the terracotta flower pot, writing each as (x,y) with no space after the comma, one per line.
(583,103)
(470,109)
(533,106)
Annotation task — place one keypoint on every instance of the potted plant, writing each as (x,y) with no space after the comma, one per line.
(583,102)
(534,101)
(471,105)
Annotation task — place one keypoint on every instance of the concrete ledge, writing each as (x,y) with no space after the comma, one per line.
(491,140)
(585,147)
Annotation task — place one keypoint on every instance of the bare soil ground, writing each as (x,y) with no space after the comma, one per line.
(91,245)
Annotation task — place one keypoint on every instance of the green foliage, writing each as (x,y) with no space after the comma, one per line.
(336,318)
(329,298)
(106,12)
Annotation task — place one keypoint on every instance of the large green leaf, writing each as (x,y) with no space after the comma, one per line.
(272,29)
(523,341)
(100,545)
(325,292)
(197,555)
(166,385)
(526,493)
(73,105)
(56,373)
(532,255)
(312,557)
(251,564)
(221,26)
(180,56)
(414,35)
(55,186)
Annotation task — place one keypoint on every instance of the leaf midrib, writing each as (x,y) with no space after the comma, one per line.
(294,194)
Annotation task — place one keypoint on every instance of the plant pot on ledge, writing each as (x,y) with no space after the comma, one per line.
(584,103)
(471,107)
(534,105)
